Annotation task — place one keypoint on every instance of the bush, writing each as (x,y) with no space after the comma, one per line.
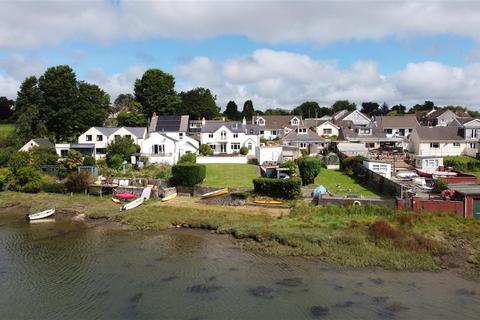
(348,164)
(440,184)
(89,161)
(115,161)
(244,151)
(462,163)
(309,168)
(5,155)
(205,150)
(188,174)
(26,179)
(278,188)
(18,160)
(122,146)
(73,160)
(53,187)
(292,166)
(43,156)
(189,157)
(79,181)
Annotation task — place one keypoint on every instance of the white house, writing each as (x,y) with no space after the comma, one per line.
(37,142)
(324,128)
(396,126)
(382,168)
(269,153)
(428,164)
(228,137)
(440,141)
(305,139)
(350,118)
(167,147)
(274,127)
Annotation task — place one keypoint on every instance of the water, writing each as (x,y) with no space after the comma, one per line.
(66,270)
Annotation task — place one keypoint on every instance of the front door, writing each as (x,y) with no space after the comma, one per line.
(223,148)
(476,208)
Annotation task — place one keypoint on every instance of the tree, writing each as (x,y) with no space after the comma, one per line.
(122,146)
(370,108)
(155,92)
(309,168)
(308,109)
(343,105)
(426,106)
(399,108)
(384,109)
(131,119)
(28,95)
(189,157)
(205,150)
(6,106)
(276,112)
(74,159)
(29,125)
(243,151)
(199,103)
(123,102)
(92,108)
(248,110)
(231,111)
(43,155)
(26,179)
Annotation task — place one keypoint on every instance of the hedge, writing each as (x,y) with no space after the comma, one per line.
(54,187)
(309,168)
(188,174)
(278,188)
(462,163)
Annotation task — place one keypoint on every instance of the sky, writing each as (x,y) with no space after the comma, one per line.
(276,53)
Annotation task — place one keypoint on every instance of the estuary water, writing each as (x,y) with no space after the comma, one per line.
(68,270)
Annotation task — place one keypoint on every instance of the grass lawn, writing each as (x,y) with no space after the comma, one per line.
(338,183)
(230,175)
(6,129)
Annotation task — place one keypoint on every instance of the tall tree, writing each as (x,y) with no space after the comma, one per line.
(155,92)
(248,110)
(60,93)
(123,102)
(28,95)
(92,107)
(343,105)
(426,106)
(231,111)
(308,109)
(384,109)
(199,103)
(6,108)
(29,101)
(399,109)
(370,108)
(131,119)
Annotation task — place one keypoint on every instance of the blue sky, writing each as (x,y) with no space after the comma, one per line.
(276,53)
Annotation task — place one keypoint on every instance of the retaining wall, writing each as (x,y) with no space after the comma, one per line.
(363,201)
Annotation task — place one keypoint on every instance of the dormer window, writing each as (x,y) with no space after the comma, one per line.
(364,131)
(260,121)
(302,130)
(294,122)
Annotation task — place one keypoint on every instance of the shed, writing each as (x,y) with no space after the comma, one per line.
(471,194)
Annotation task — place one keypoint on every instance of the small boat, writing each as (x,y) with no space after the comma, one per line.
(444,174)
(116,201)
(424,174)
(39,215)
(135,203)
(125,196)
(214,194)
(269,202)
(169,197)
(147,191)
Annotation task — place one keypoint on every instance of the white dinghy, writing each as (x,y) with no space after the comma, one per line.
(39,215)
(133,204)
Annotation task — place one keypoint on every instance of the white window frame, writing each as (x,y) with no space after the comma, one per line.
(235,146)
(99,137)
(434,145)
(327,130)
(88,137)
(235,135)
(210,135)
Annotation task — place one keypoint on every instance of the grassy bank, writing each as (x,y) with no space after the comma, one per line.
(6,129)
(348,236)
(338,183)
(230,175)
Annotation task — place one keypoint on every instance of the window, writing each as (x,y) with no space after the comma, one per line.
(302,130)
(260,122)
(99,137)
(235,135)
(294,122)
(434,145)
(250,146)
(210,135)
(88,137)
(63,153)
(473,145)
(158,148)
(388,131)
(431,163)
(262,132)
(128,136)
(364,131)
(456,144)
(235,146)
(100,151)
(302,145)
(116,136)
(370,145)
(327,131)
(223,134)
(180,135)
(274,133)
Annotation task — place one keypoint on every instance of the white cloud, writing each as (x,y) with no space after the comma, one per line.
(36,23)
(278,78)
(117,83)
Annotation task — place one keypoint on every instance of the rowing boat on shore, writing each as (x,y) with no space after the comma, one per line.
(39,215)
(135,203)
(169,197)
(215,193)
(269,202)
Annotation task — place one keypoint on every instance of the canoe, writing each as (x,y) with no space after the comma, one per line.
(125,196)
(269,202)
(214,194)
(146,193)
(135,203)
(169,197)
(116,201)
(39,215)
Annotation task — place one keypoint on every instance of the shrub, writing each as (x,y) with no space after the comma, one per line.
(381,229)
(462,163)
(304,153)
(43,155)
(278,188)
(263,140)
(144,160)
(73,160)
(205,150)
(291,165)
(78,181)
(89,161)
(53,187)
(122,146)
(309,168)
(5,155)
(348,164)
(115,161)
(188,174)
(189,157)
(440,184)
(243,151)
(18,160)
(26,179)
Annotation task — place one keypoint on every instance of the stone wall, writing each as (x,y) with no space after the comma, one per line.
(350,201)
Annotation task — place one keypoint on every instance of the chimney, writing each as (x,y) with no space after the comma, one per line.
(203,121)
(244,121)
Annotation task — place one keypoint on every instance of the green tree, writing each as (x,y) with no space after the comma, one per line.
(43,155)
(28,95)
(308,109)
(124,102)
(309,168)
(19,160)
(6,108)
(92,108)
(276,112)
(73,160)
(370,108)
(231,111)
(205,150)
(155,92)
(399,108)
(426,106)
(199,103)
(30,125)
(189,157)
(26,179)
(384,109)
(248,110)
(343,105)
(122,146)
(131,119)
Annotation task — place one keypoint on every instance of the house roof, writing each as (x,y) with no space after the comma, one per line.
(43,142)
(439,134)
(108,131)
(435,114)
(465,188)
(377,135)
(406,121)
(310,136)
(211,126)
(342,114)
(169,123)
(464,120)
(317,122)
(276,122)
(351,147)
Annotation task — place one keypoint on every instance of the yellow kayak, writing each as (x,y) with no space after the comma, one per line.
(214,194)
(169,197)
(116,201)
(269,202)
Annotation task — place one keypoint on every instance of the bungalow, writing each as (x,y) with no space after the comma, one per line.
(371,138)
(274,127)
(396,126)
(227,137)
(305,139)
(37,142)
(324,128)
(440,141)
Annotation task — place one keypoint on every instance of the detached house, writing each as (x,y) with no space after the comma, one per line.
(227,137)
(441,141)
(323,127)
(441,117)
(274,127)
(305,139)
(355,118)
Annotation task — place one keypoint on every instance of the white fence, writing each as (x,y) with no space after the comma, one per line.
(222,159)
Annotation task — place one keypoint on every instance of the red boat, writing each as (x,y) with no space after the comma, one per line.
(436,174)
(125,196)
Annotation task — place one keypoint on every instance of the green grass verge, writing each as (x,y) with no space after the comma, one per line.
(338,183)
(340,235)
(6,129)
(230,175)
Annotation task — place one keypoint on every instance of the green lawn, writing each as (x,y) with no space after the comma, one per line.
(230,175)
(338,183)
(6,129)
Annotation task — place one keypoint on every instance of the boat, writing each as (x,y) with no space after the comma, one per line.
(116,201)
(422,173)
(125,196)
(169,197)
(39,215)
(147,191)
(135,203)
(444,174)
(269,202)
(214,194)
